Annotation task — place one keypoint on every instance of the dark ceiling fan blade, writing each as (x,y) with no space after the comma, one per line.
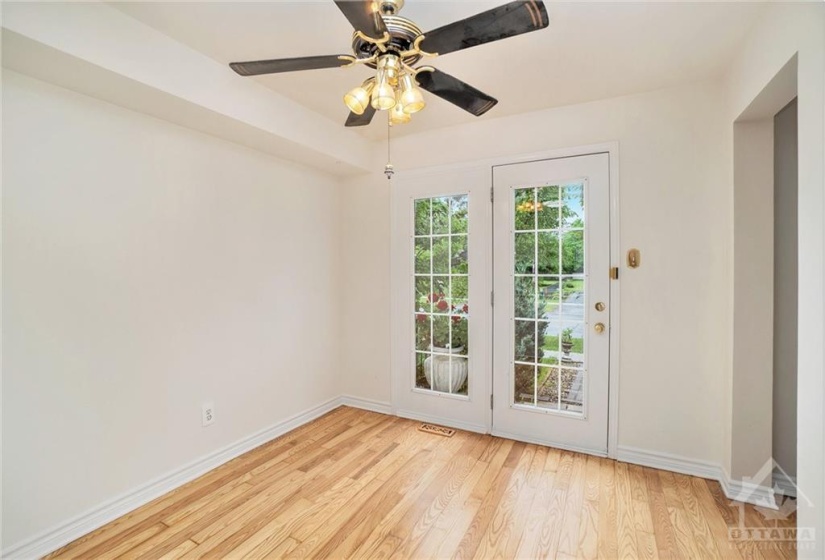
(505,21)
(456,92)
(364,17)
(361,120)
(278,65)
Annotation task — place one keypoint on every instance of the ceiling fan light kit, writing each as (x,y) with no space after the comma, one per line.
(392,45)
(383,96)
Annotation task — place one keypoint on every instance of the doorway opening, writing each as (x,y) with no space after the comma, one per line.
(785,300)
(763,392)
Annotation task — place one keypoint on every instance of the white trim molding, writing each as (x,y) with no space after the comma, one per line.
(785,484)
(734,490)
(615,300)
(68,531)
(741,491)
(366,404)
(669,462)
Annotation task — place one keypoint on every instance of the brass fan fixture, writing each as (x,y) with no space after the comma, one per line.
(392,45)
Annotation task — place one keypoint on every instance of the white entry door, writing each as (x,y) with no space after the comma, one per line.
(441,313)
(551,316)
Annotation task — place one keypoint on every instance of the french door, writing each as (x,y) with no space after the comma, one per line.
(551,243)
(500,310)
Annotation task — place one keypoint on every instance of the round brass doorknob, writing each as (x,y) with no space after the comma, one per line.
(599,327)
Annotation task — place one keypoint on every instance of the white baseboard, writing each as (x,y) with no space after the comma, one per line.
(366,404)
(733,489)
(64,533)
(785,484)
(755,494)
(669,462)
(468,426)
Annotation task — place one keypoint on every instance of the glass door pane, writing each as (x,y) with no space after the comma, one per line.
(440,310)
(549,296)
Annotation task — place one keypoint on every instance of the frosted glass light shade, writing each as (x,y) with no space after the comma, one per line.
(358,99)
(398,116)
(383,97)
(411,99)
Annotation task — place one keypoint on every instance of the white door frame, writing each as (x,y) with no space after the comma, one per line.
(612,149)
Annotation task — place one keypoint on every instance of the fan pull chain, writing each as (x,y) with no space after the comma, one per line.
(388,169)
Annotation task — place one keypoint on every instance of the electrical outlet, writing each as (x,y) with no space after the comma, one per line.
(208,413)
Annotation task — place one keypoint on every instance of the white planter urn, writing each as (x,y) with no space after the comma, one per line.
(444,374)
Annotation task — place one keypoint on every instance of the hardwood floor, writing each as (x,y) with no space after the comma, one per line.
(356,484)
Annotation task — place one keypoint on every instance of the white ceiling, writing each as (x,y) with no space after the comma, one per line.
(590,50)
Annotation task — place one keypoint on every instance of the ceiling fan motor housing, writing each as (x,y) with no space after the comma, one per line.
(403,33)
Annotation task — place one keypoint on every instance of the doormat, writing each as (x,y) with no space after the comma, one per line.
(437,430)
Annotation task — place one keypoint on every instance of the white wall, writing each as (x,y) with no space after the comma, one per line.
(148,268)
(752,371)
(674,355)
(783,31)
(96,49)
(365,286)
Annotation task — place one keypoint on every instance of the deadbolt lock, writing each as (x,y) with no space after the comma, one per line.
(600,306)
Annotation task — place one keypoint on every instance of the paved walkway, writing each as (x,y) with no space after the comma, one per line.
(568,315)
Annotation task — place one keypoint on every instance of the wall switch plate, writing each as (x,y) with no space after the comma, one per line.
(208,413)
(634,258)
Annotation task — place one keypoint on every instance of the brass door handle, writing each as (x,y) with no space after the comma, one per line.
(598,327)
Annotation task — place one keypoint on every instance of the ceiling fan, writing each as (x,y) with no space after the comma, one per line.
(393,44)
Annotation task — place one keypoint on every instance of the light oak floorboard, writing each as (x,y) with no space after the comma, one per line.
(357,484)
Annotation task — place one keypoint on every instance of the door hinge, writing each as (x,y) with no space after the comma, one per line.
(491,194)
(491,402)
(614,272)
(492,298)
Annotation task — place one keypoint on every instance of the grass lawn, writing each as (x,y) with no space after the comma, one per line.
(550,297)
(552,342)
(572,286)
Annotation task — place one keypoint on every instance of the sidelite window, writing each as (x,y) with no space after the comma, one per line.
(549,297)
(440,310)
